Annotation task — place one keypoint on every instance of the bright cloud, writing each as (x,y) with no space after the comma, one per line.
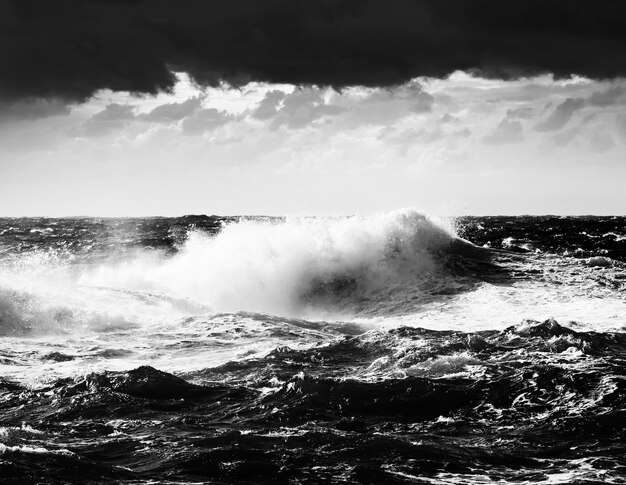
(527,145)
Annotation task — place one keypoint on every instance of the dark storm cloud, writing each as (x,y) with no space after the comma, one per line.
(71,48)
(32,108)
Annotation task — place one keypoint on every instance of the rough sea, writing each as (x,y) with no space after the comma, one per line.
(395,348)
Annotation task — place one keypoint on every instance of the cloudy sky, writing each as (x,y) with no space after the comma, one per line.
(312,107)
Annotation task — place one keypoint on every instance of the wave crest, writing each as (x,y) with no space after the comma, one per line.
(291,266)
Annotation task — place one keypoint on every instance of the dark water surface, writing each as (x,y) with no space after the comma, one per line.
(375,350)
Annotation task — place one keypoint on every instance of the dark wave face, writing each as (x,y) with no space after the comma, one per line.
(580,237)
(348,350)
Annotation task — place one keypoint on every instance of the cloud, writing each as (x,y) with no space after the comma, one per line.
(620,123)
(423,103)
(561,115)
(298,109)
(608,97)
(384,106)
(507,131)
(74,48)
(269,106)
(112,117)
(115,112)
(205,120)
(447,118)
(564,138)
(601,142)
(195,120)
(173,111)
(32,108)
(409,138)
(524,112)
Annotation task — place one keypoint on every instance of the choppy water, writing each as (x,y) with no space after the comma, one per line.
(386,349)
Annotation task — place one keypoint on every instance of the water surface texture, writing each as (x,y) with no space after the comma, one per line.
(394,348)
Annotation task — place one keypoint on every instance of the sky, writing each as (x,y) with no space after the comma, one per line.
(128,108)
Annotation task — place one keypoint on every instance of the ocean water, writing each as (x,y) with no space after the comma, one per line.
(395,348)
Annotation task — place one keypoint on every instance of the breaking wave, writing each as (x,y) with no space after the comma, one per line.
(289,267)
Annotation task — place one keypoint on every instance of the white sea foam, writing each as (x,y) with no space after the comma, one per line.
(272,266)
(36,450)
(376,272)
(618,237)
(373,270)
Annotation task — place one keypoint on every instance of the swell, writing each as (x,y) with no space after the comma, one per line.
(435,401)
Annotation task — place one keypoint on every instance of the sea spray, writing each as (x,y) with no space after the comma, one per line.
(280,266)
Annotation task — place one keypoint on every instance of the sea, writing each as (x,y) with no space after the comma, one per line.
(392,348)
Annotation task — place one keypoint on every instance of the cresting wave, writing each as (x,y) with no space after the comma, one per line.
(400,268)
(288,267)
